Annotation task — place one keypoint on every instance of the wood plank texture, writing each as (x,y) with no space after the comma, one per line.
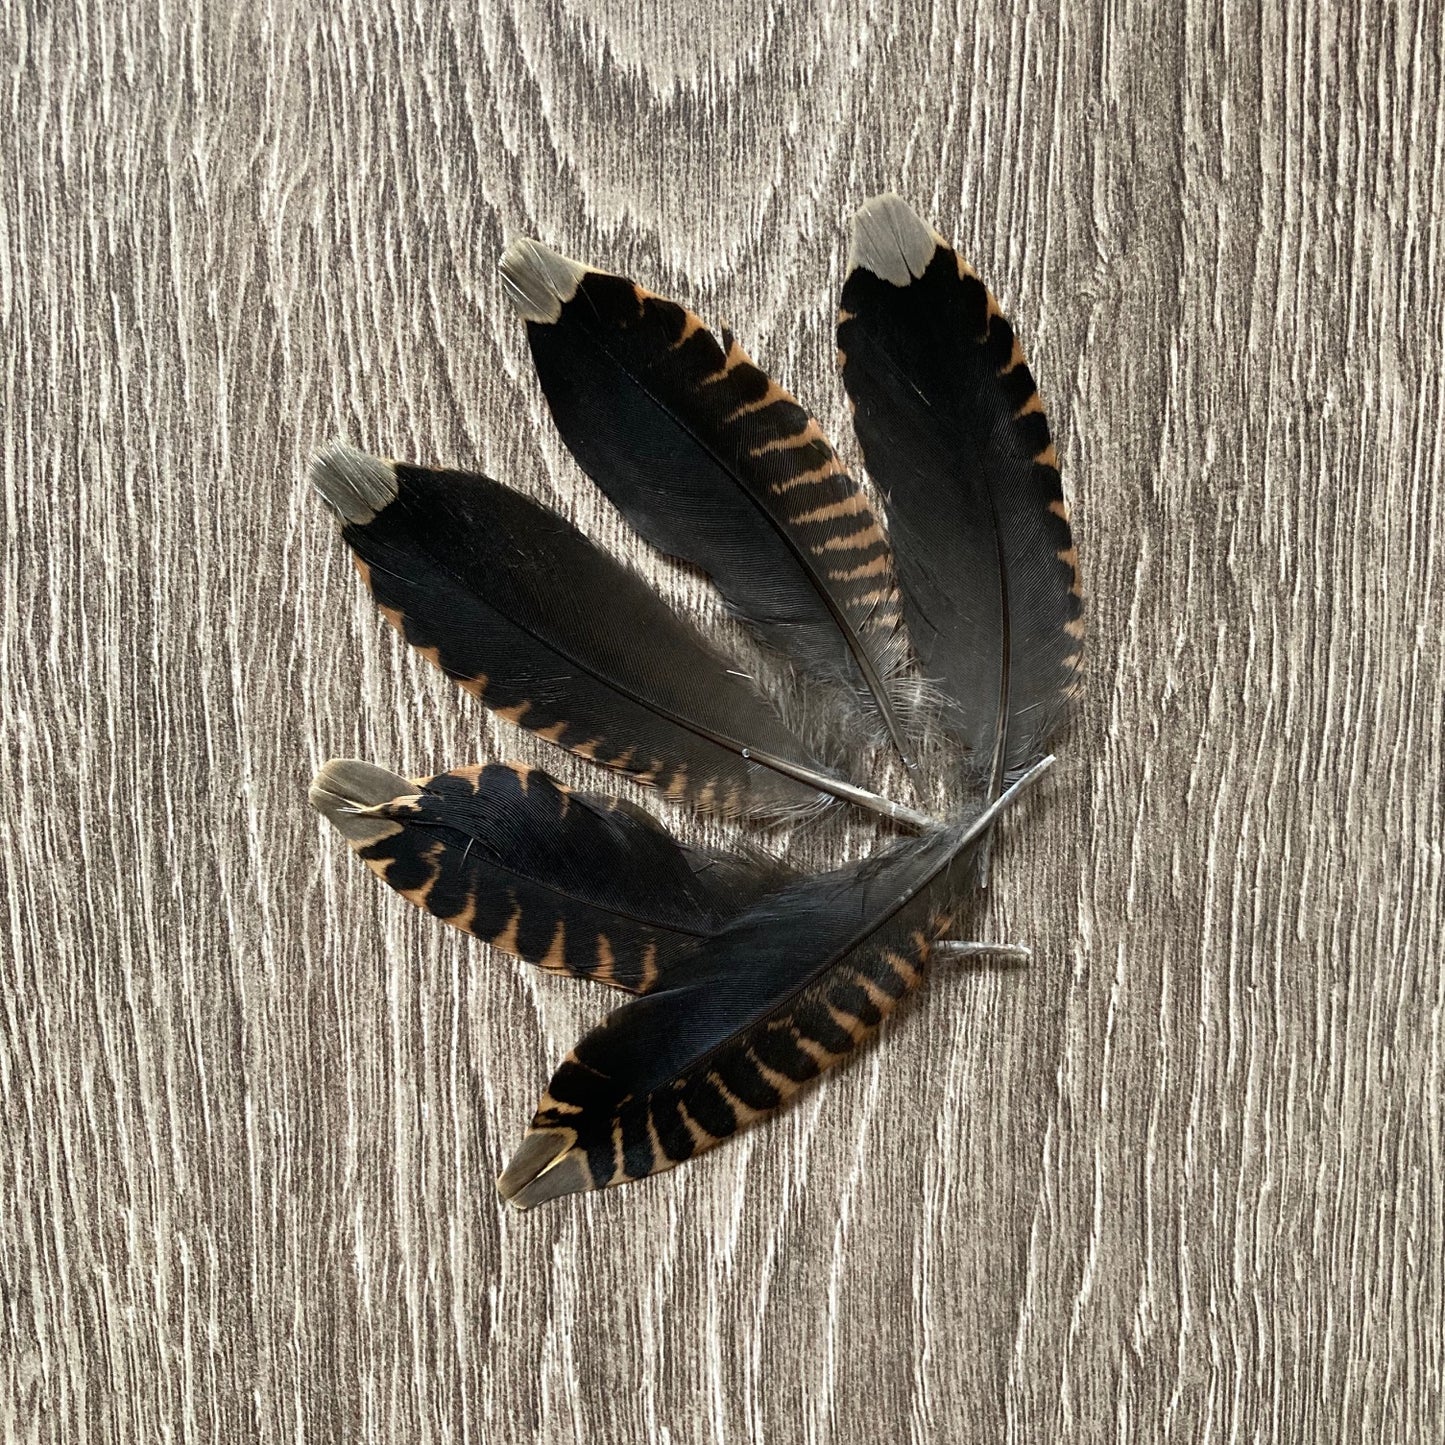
(1181,1179)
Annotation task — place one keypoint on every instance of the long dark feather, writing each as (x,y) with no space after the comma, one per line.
(954,432)
(572,882)
(712,461)
(788,989)
(513,602)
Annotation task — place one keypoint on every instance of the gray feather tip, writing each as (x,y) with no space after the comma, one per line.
(891,241)
(346,791)
(538,281)
(354,485)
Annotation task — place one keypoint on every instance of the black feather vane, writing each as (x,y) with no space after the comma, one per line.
(753,984)
(954,433)
(788,989)
(711,461)
(553,634)
(573,882)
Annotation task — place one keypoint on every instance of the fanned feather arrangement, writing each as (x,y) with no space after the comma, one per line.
(948,643)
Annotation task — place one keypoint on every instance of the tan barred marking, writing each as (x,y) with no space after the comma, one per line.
(849,506)
(881,999)
(811,478)
(606,969)
(1016,356)
(743,1114)
(506,940)
(701,1139)
(514,714)
(825,1058)
(553,734)
(477,685)
(845,315)
(876,568)
(772,396)
(705,799)
(811,435)
(875,596)
(588,749)
(649,967)
(1048,457)
(734,358)
(623,759)
(851,1024)
(1060,509)
(1070,558)
(854,541)
(378,866)
(659,1155)
(905,967)
(466,919)
(785,1086)
(468,773)
(549,1105)
(422,891)
(676,787)
(691,325)
(618,1173)
(555,958)
(393,615)
(1075,628)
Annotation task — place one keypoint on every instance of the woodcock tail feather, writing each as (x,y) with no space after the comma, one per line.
(754,980)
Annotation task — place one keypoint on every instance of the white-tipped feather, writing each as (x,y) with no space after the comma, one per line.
(538,281)
(354,485)
(891,241)
(347,789)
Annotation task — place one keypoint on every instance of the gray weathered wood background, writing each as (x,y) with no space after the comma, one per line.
(1182,1179)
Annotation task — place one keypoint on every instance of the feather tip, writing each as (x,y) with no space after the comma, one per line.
(354,485)
(539,281)
(890,240)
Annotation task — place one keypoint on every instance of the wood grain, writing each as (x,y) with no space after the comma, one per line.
(1182,1179)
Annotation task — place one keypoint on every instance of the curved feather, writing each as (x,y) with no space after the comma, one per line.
(516,605)
(954,432)
(711,461)
(572,882)
(789,988)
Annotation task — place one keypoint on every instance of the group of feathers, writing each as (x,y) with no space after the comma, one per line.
(950,643)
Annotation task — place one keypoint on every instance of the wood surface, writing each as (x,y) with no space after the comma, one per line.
(1180,1179)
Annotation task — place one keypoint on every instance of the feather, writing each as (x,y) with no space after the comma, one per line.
(572,882)
(954,433)
(711,461)
(514,603)
(788,989)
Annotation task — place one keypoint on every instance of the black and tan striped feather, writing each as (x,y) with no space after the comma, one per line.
(572,882)
(713,462)
(788,989)
(551,633)
(954,433)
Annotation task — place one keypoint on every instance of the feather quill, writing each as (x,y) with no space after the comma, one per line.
(954,433)
(711,461)
(789,988)
(552,633)
(572,882)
